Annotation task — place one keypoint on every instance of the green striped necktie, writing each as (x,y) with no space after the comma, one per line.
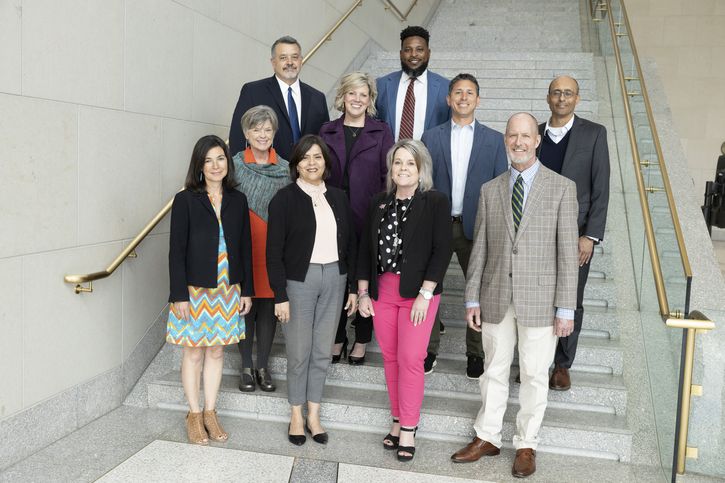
(517,201)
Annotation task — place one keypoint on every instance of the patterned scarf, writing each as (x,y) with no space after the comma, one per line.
(260,182)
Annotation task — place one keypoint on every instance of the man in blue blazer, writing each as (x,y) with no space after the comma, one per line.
(413,99)
(300,108)
(466,154)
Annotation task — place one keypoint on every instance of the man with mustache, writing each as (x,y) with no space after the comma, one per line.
(300,108)
(577,149)
(521,288)
(413,99)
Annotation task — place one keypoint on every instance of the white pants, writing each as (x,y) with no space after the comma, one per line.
(536,353)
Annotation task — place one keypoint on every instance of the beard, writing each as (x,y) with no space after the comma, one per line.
(518,160)
(414,72)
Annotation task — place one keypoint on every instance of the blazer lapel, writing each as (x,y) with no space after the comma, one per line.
(276,94)
(375,224)
(204,200)
(571,147)
(365,141)
(445,140)
(433,86)
(417,207)
(393,83)
(532,199)
(477,149)
(505,196)
(305,109)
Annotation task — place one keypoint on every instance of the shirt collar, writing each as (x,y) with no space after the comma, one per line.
(560,131)
(455,126)
(284,86)
(423,78)
(528,174)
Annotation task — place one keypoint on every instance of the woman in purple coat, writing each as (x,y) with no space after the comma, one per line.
(358,146)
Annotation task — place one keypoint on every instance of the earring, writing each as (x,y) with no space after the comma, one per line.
(201,176)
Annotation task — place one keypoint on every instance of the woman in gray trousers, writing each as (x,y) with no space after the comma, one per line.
(311,252)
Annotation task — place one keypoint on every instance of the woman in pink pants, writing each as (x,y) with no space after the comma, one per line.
(405,249)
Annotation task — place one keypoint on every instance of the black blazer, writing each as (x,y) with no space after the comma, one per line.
(266,92)
(427,237)
(586,163)
(194,243)
(291,236)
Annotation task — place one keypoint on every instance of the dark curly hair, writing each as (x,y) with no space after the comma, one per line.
(414,31)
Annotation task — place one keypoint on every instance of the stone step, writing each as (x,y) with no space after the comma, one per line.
(472,55)
(365,409)
(594,354)
(482,71)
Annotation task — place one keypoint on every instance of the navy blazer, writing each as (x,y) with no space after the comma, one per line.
(194,243)
(436,110)
(488,160)
(266,92)
(427,239)
(586,163)
(367,167)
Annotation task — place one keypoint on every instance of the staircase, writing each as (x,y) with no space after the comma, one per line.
(590,419)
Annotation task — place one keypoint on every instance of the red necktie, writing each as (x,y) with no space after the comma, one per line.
(408,118)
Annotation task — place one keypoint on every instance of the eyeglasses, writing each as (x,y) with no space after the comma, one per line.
(567,93)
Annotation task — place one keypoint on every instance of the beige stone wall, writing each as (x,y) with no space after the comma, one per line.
(687,40)
(100,105)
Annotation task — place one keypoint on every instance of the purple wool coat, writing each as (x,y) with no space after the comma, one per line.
(366,167)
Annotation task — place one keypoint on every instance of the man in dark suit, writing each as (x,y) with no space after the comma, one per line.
(466,154)
(576,149)
(300,108)
(413,99)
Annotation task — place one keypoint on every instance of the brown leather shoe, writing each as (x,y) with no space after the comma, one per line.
(560,380)
(525,463)
(474,450)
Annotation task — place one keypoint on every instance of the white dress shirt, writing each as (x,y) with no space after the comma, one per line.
(556,134)
(528,176)
(461,145)
(296,95)
(420,89)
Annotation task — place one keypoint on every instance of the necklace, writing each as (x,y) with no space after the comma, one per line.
(354,130)
(397,241)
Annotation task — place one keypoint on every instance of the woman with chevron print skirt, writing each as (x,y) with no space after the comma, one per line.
(210,270)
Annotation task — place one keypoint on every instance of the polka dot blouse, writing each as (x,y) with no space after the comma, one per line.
(390,235)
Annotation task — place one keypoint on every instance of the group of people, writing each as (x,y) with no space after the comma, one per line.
(307,222)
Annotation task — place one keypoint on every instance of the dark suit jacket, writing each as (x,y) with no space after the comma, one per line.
(426,241)
(488,160)
(291,236)
(436,110)
(366,167)
(194,243)
(586,162)
(266,92)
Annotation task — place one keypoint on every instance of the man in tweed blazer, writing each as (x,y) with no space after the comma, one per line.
(521,287)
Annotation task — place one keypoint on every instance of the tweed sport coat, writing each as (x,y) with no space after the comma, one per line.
(535,268)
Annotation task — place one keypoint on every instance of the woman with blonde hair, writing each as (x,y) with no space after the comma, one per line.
(358,144)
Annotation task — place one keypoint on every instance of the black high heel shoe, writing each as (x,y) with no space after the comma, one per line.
(354,360)
(407,449)
(395,440)
(319,437)
(343,353)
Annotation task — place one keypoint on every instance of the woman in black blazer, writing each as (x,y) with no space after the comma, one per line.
(310,260)
(405,250)
(210,269)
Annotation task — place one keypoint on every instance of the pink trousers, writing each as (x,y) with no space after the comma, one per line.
(404,347)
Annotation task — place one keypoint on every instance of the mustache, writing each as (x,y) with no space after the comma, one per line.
(413,72)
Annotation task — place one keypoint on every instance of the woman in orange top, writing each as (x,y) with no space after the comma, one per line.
(260,173)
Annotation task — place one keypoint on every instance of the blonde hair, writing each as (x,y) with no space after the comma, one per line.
(352,81)
(422,160)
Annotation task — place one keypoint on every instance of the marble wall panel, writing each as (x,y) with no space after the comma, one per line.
(119,173)
(158,68)
(208,8)
(11,343)
(68,339)
(40,179)
(73,51)
(10,45)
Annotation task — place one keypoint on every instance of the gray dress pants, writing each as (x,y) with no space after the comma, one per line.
(309,334)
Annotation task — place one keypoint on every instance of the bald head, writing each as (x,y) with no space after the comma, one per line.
(522,138)
(565,79)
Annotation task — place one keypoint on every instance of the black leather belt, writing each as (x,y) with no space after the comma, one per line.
(457,219)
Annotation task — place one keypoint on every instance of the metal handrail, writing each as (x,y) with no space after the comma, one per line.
(130,250)
(401,16)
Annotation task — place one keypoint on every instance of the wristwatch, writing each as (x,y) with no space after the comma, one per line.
(427,294)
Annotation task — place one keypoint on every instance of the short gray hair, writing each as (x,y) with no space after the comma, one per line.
(285,40)
(422,160)
(259,115)
(352,81)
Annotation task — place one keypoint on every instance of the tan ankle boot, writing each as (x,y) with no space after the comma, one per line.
(195,429)
(216,432)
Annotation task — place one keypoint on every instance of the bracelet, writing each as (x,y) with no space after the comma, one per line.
(363,295)
(362,292)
